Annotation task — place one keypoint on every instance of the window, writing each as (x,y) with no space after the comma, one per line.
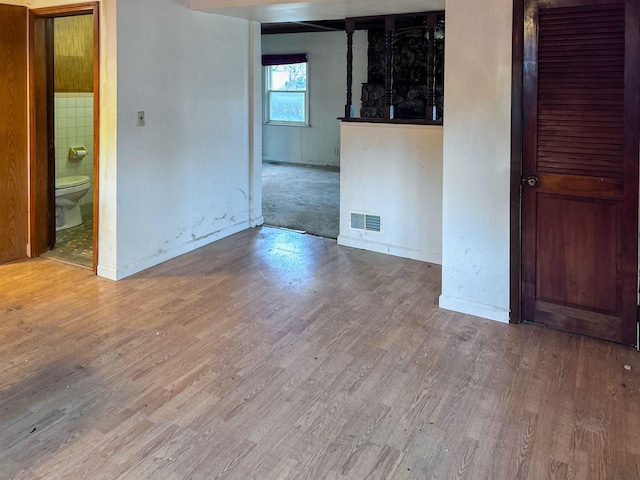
(286,99)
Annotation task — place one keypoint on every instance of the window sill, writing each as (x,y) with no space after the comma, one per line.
(286,124)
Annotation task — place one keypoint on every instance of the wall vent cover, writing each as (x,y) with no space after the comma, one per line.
(366,221)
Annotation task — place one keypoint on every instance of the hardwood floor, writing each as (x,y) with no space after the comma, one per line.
(271,355)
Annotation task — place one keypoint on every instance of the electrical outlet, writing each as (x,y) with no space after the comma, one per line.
(336,152)
(141,119)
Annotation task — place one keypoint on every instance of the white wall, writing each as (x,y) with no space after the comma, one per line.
(73,114)
(183,180)
(394,171)
(475,274)
(327,70)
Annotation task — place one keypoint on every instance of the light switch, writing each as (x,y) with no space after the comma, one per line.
(141,119)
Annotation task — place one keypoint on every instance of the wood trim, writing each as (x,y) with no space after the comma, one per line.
(575,3)
(39,185)
(629,268)
(432,21)
(302,27)
(364,23)
(350,28)
(515,255)
(399,121)
(361,23)
(66,10)
(50,150)
(32,136)
(96,133)
(529,142)
(389,27)
(92,8)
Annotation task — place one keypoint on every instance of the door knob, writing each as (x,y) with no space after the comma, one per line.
(531,181)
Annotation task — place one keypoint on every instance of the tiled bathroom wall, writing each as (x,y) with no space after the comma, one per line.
(74,128)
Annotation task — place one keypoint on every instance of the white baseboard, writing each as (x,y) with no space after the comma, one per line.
(256,222)
(490,312)
(107,272)
(396,251)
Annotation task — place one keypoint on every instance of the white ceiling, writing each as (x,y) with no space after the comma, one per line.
(275,11)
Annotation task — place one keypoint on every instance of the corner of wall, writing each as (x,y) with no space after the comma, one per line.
(255,125)
(477,159)
(108,157)
(461,305)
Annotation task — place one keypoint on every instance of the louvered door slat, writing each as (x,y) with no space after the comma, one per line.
(581,97)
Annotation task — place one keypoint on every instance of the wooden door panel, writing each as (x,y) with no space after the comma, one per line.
(580,219)
(578,249)
(594,324)
(13,133)
(581,185)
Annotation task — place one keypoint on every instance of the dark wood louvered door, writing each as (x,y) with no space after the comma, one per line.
(580,190)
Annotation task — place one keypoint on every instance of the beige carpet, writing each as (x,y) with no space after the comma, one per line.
(302,197)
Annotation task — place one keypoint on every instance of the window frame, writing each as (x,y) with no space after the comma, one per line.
(267,98)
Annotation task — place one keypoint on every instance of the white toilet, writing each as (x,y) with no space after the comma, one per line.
(69,191)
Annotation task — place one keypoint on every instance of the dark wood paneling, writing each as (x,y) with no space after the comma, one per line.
(598,325)
(585,41)
(74,54)
(578,244)
(581,186)
(14,160)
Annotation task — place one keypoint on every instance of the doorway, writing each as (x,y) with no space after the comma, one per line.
(580,164)
(302,97)
(65,117)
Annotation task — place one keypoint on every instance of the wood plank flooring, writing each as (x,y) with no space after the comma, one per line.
(272,355)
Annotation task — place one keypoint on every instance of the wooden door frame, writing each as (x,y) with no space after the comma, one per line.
(36,165)
(631,145)
(517,159)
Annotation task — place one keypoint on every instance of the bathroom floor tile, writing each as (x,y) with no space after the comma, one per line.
(75,245)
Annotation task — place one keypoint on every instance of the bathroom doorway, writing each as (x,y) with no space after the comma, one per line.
(64,181)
